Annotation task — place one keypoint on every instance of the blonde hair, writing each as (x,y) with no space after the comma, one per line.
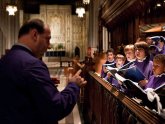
(129,47)
(120,56)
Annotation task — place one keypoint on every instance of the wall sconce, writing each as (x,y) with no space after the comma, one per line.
(11,9)
(80,11)
(86,1)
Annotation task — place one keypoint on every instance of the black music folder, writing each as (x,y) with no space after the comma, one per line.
(128,71)
(134,90)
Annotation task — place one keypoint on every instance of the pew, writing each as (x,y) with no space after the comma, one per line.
(104,104)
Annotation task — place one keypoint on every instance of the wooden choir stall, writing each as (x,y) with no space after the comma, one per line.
(104,104)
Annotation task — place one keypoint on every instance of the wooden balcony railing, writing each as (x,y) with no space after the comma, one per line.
(104,104)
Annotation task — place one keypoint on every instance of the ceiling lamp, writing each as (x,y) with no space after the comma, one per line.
(80,11)
(86,1)
(158,4)
(11,9)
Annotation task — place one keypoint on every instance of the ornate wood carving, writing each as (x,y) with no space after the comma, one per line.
(121,10)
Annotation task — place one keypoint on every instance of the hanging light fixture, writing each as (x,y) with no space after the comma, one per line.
(80,11)
(80,8)
(158,4)
(11,9)
(86,1)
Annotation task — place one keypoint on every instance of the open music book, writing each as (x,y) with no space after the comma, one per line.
(127,83)
(128,71)
(111,65)
(134,90)
(130,84)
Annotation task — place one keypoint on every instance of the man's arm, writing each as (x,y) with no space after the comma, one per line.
(50,103)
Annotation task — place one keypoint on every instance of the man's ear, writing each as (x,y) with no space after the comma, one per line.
(34,34)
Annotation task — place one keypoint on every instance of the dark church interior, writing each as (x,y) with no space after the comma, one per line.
(113,49)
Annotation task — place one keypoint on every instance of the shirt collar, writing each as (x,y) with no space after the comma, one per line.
(160,75)
(132,60)
(142,59)
(111,61)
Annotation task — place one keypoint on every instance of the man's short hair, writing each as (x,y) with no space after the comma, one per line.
(31,24)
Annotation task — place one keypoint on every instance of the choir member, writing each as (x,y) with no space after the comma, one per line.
(110,60)
(100,59)
(129,51)
(153,50)
(159,72)
(142,58)
(155,40)
(110,56)
(149,41)
(143,61)
(159,41)
(120,60)
(161,45)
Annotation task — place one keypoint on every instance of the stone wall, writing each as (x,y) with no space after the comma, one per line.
(66,29)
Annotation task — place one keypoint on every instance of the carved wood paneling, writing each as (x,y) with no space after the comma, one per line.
(107,105)
(122,20)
